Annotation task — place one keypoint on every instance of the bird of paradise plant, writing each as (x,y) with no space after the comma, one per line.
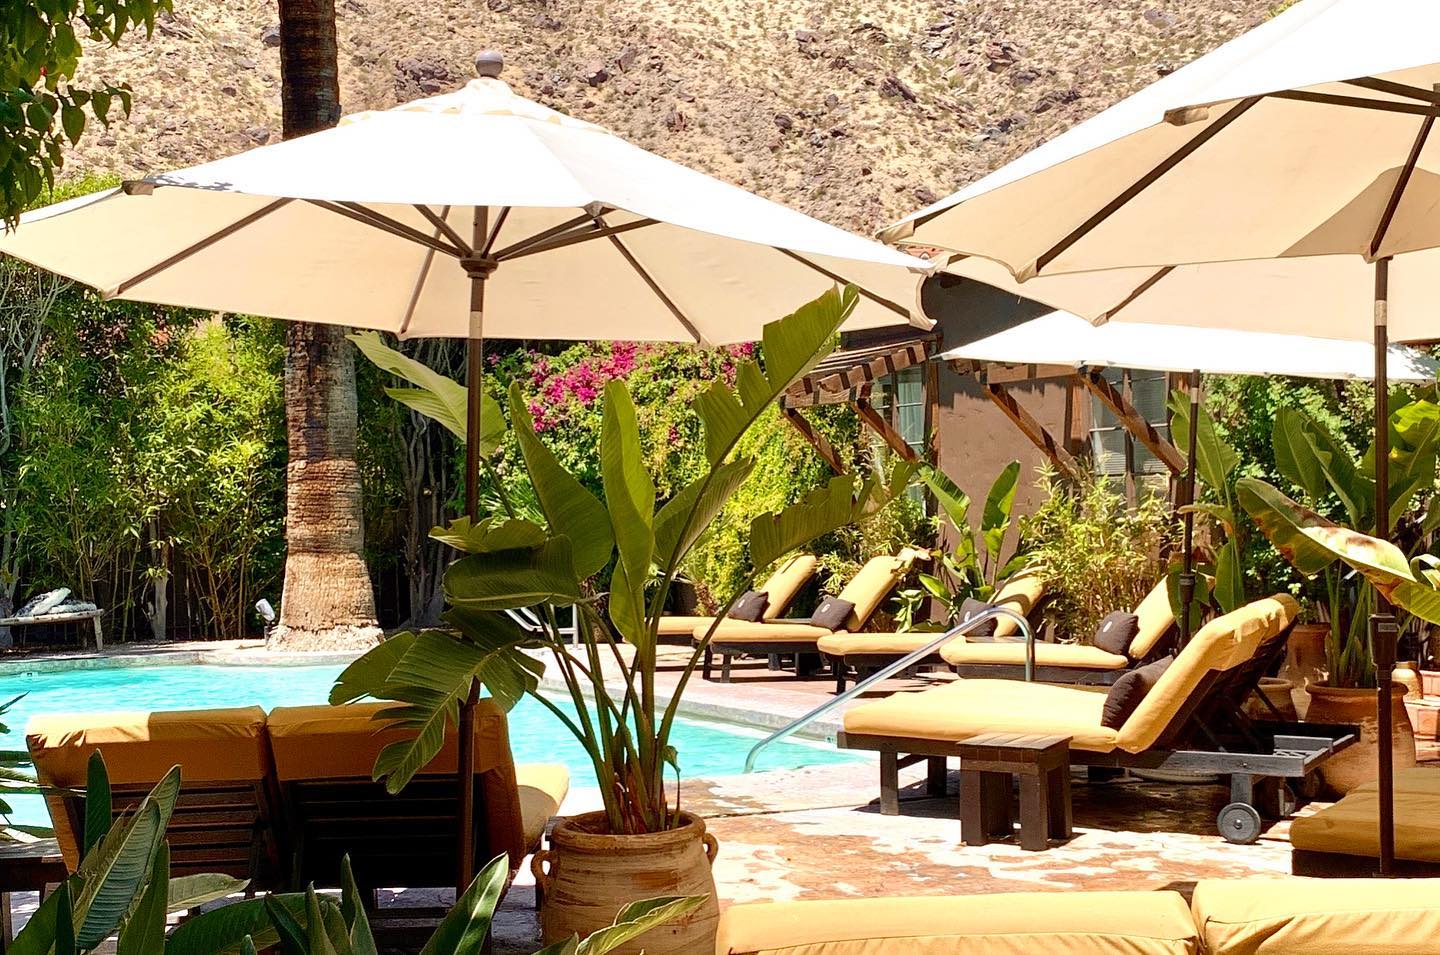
(507,562)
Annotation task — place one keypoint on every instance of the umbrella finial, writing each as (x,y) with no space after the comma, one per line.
(489,63)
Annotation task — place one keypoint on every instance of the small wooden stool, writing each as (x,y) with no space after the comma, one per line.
(987,764)
(26,867)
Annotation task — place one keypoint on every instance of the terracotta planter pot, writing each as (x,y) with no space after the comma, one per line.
(1305,655)
(1280,693)
(592,875)
(1358,763)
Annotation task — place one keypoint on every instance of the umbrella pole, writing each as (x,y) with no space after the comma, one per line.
(478,268)
(1383,632)
(1187,566)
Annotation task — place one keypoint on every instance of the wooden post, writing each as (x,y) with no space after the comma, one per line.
(814,438)
(880,426)
(1035,431)
(1133,421)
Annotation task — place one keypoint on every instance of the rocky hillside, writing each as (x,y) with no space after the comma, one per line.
(856,112)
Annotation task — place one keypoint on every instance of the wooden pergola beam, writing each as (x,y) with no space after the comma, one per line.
(880,426)
(1133,421)
(830,387)
(814,438)
(1034,430)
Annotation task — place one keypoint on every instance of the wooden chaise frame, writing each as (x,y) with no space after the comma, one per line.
(1209,733)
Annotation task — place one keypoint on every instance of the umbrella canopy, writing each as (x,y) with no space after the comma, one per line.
(1307,136)
(1060,338)
(584,235)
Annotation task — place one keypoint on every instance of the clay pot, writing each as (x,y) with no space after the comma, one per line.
(1305,655)
(1280,694)
(1357,763)
(592,875)
(1404,675)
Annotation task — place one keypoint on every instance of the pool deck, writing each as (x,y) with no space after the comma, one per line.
(817,833)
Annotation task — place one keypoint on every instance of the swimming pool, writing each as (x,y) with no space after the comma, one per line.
(706,749)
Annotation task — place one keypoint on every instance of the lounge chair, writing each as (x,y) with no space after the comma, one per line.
(780,588)
(867,652)
(224,820)
(1068,662)
(867,590)
(1344,839)
(323,759)
(1189,721)
(1257,916)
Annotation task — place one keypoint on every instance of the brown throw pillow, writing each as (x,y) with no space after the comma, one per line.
(751,606)
(971,608)
(1116,632)
(1127,692)
(832,613)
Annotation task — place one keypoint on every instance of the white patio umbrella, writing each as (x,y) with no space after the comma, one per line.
(1304,145)
(473,214)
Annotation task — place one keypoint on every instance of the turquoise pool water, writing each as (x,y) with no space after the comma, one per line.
(706,749)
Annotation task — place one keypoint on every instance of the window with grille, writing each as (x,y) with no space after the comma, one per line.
(1116,454)
(900,399)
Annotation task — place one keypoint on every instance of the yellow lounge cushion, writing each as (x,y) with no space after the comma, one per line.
(1080,656)
(1416,779)
(841,643)
(780,588)
(1352,827)
(1156,617)
(742,631)
(678,626)
(223,745)
(1021,593)
(542,788)
(1318,916)
(339,742)
(1076,923)
(966,708)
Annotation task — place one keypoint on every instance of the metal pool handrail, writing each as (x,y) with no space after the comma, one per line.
(890,669)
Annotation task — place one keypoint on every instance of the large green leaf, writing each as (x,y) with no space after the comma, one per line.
(121,863)
(1355,489)
(510,579)
(99,808)
(489,535)
(463,931)
(697,505)
(568,505)
(1215,459)
(368,674)
(427,684)
(841,502)
(1283,522)
(352,908)
(192,891)
(1416,430)
(630,499)
(1229,588)
(143,933)
(998,505)
(224,929)
(38,935)
(1294,456)
(792,346)
(953,501)
(636,919)
(434,395)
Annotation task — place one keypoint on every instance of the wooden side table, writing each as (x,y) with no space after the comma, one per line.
(26,867)
(987,764)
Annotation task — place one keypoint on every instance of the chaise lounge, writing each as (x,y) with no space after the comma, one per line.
(1225,917)
(1344,839)
(867,652)
(1069,662)
(866,591)
(1190,720)
(780,590)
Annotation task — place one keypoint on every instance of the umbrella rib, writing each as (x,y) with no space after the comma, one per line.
(576,236)
(200,246)
(1139,290)
(419,287)
(1398,192)
(1146,181)
(655,287)
(375,220)
(1357,102)
(495,230)
(544,234)
(1395,89)
(900,310)
(438,221)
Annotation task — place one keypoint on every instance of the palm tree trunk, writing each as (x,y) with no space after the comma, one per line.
(327,602)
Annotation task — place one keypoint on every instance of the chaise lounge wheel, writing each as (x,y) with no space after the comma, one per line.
(1239,823)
